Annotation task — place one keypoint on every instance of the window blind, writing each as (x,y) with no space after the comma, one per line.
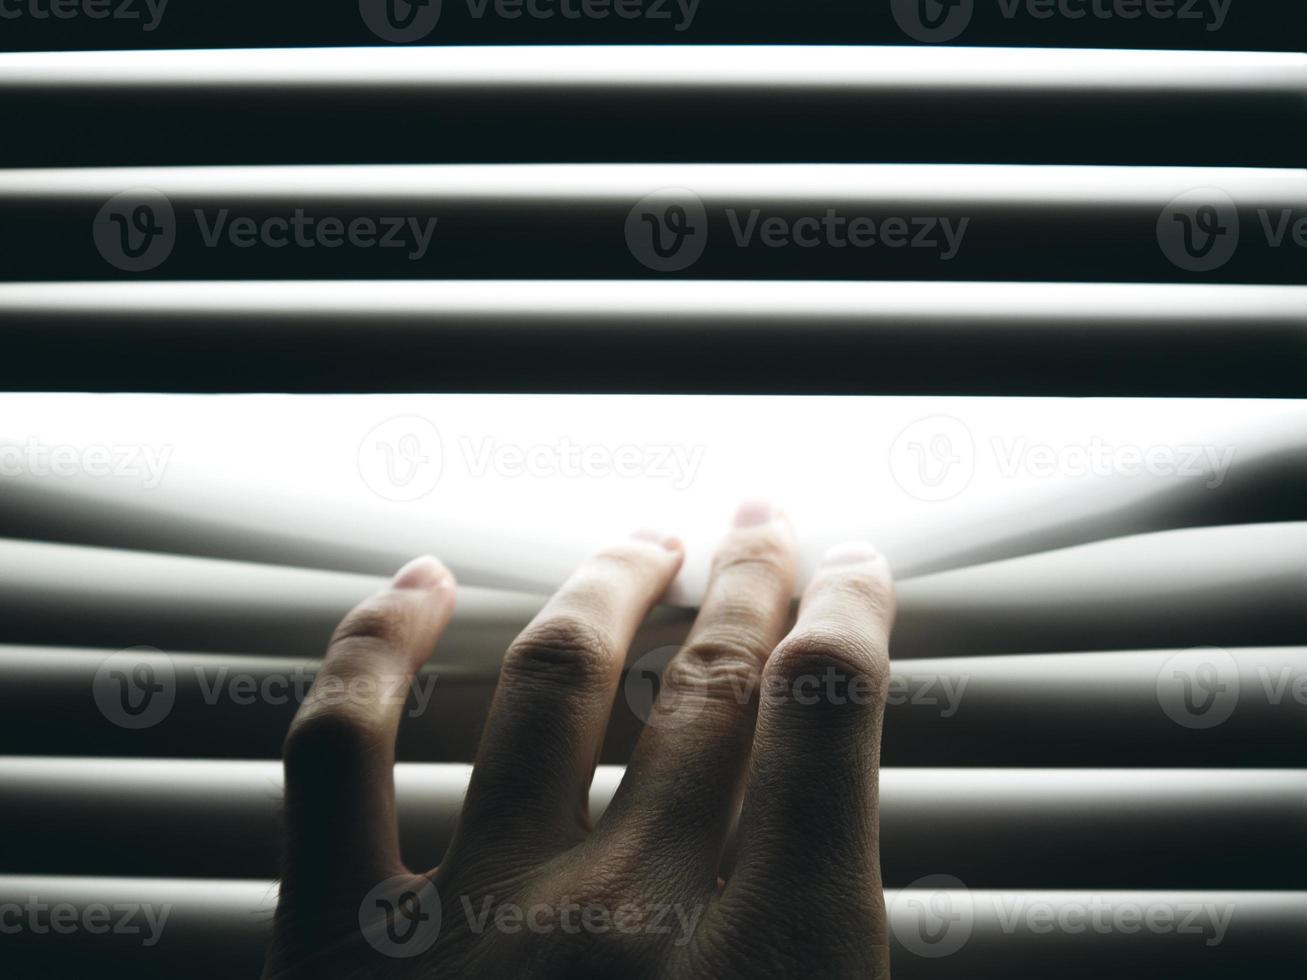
(1060,780)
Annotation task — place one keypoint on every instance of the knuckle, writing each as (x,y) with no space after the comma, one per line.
(722,662)
(321,739)
(764,555)
(726,646)
(565,649)
(723,675)
(840,659)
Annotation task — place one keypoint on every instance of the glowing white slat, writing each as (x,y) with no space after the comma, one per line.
(670,67)
(579,185)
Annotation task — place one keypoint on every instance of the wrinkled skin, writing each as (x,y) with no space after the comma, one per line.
(744,725)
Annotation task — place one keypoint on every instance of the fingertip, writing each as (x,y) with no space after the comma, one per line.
(764,515)
(423,573)
(855,552)
(668,542)
(853,570)
(755,513)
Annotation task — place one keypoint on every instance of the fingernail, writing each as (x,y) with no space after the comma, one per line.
(668,541)
(850,553)
(753,513)
(421,573)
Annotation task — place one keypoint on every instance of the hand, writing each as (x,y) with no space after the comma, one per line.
(529,888)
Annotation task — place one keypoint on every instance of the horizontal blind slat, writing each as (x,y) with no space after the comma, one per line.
(988,827)
(1050,710)
(701,104)
(1158,590)
(218,929)
(560,221)
(1108,339)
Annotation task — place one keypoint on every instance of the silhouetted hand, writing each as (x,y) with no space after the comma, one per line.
(789,724)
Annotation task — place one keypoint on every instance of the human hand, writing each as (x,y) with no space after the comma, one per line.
(787,723)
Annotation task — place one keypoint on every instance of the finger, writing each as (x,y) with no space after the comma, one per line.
(541,741)
(682,785)
(340,751)
(809,826)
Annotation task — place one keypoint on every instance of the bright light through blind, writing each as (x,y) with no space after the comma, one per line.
(573,471)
